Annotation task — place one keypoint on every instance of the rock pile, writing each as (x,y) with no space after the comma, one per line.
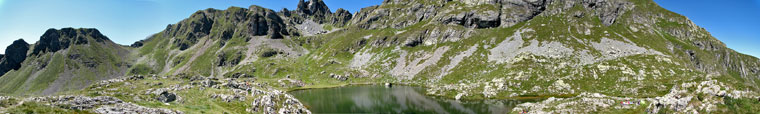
(77,102)
(268,102)
(339,77)
(228,98)
(129,108)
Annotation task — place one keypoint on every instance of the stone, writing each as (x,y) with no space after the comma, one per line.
(166,97)
(208,83)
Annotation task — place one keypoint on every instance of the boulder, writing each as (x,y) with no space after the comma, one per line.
(166,97)
(208,83)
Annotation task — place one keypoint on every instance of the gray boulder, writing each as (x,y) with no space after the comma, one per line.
(166,97)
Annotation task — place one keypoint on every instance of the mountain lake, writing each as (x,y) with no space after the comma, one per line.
(396,99)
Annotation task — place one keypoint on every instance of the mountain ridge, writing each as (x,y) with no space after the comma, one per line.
(604,50)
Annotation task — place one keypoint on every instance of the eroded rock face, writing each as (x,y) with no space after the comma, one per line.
(16,54)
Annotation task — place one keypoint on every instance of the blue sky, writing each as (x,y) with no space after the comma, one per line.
(735,22)
(123,21)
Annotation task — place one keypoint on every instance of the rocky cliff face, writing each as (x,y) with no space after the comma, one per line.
(15,55)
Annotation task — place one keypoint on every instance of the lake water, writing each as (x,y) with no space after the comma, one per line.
(397,99)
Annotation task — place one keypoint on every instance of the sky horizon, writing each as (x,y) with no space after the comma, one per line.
(120,20)
(732,22)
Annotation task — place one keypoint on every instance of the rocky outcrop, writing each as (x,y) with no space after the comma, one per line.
(15,55)
(476,13)
(341,17)
(471,13)
(268,103)
(314,9)
(607,10)
(163,94)
(53,40)
(516,11)
(396,14)
(255,21)
(138,44)
(506,13)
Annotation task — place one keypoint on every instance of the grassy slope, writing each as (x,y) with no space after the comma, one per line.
(30,80)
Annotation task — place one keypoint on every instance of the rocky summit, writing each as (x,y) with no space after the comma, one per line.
(577,56)
(16,53)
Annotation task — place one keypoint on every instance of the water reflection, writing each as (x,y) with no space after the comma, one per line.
(399,99)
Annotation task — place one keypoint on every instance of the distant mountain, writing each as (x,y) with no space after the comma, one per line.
(65,59)
(591,53)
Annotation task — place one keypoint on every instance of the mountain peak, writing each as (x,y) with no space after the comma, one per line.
(313,7)
(53,40)
(316,9)
(16,53)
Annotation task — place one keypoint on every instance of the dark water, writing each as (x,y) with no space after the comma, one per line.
(398,99)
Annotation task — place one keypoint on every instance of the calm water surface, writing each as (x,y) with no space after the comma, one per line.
(397,99)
